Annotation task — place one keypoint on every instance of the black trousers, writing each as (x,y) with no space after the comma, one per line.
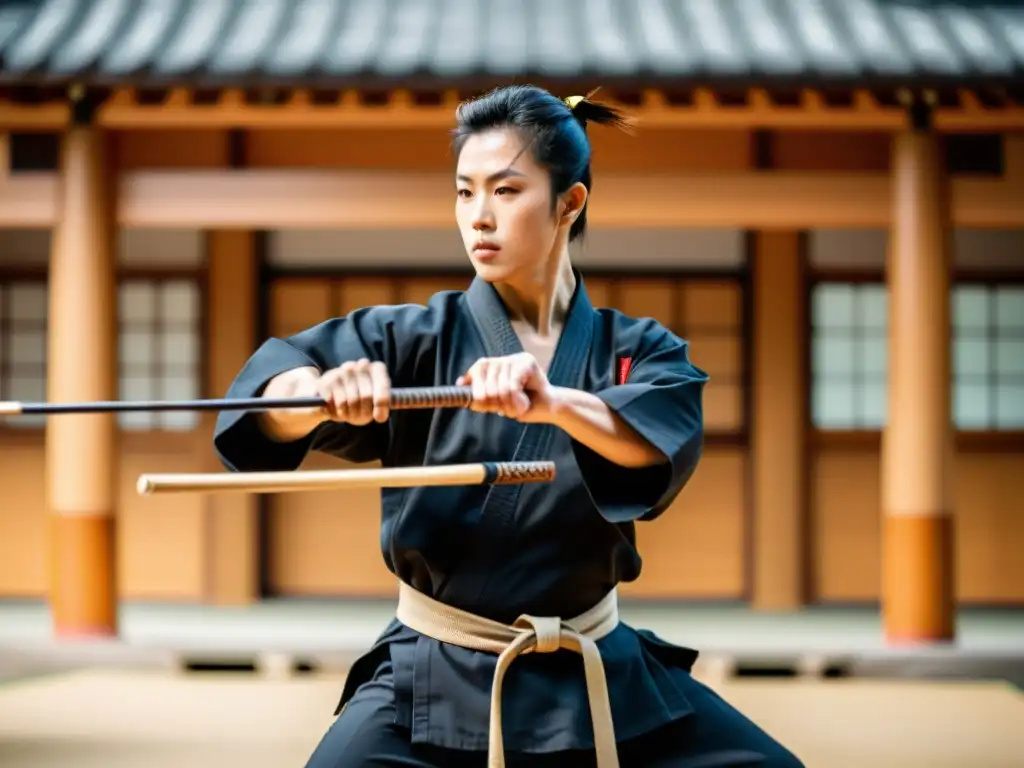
(715,735)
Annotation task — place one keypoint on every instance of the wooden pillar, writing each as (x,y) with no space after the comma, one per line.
(918,565)
(81,450)
(5,155)
(779,421)
(232,549)
(1013,156)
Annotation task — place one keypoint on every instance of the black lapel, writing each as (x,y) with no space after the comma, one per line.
(568,365)
(567,369)
(491,318)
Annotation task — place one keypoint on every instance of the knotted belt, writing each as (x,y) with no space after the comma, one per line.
(529,634)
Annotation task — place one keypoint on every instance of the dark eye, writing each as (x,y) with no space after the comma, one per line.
(463,192)
(504,191)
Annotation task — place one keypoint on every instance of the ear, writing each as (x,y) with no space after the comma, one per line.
(572,202)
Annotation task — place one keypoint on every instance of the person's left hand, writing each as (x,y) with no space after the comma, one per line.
(513,386)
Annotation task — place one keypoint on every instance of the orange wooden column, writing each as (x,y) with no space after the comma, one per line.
(918,563)
(232,549)
(5,154)
(779,422)
(81,450)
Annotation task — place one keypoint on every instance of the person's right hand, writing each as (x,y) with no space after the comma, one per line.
(356,392)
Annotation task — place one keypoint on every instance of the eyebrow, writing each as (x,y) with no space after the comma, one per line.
(504,174)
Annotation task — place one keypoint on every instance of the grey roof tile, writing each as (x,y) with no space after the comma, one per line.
(722,50)
(924,40)
(153,23)
(770,38)
(349,42)
(250,37)
(411,27)
(199,32)
(364,25)
(981,45)
(460,40)
(874,38)
(817,27)
(668,48)
(509,38)
(1009,24)
(40,32)
(90,35)
(313,25)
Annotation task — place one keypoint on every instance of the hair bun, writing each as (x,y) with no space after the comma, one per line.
(586,111)
(574,101)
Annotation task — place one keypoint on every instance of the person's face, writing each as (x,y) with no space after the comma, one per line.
(503,207)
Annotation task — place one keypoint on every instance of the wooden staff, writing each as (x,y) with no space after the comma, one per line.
(401,400)
(493,473)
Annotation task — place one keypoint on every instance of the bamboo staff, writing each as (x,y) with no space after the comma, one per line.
(493,473)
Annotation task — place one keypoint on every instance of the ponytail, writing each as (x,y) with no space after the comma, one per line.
(586,111)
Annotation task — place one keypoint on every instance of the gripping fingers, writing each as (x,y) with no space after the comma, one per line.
(507,401)
(350,388)
(331,388)
(497,387)
(380,384)
(350,391)
(364,393)
(477,376)
(513,400)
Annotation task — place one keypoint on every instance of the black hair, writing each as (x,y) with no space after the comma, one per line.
(554,131)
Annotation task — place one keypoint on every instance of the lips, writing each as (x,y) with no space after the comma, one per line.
(485,251)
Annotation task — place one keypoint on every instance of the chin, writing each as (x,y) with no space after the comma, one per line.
(490,273)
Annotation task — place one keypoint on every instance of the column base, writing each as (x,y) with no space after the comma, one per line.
(918,585)
(83,590)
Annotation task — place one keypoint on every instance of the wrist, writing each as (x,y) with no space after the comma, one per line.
(288,424)
(293,383)
(559,406)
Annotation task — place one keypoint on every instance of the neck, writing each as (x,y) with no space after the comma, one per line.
(541,299)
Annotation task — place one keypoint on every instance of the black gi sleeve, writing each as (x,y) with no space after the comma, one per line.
(662,400)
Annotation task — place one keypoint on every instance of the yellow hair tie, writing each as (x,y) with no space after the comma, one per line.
(573,101)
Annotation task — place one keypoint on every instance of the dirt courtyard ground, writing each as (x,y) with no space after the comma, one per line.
(128,719)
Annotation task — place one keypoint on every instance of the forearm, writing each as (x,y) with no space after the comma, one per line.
(588,420)
(287,425)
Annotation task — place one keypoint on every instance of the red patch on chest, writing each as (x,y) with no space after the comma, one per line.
(625,365)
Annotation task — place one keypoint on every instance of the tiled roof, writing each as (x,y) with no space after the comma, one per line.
(417,42)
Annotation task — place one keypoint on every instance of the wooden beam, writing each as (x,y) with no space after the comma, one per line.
(33,117)
(359,199)
(759,112)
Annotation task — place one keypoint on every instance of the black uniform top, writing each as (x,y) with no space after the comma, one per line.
(544,549)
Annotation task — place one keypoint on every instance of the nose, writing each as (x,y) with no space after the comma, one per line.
(483,219)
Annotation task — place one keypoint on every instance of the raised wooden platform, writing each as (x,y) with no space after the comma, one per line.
(276,638)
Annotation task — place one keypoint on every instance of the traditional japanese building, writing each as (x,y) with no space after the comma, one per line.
(825,197)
